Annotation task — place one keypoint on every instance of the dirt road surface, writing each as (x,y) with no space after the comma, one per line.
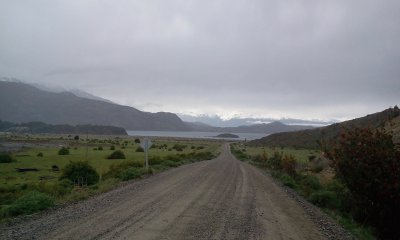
(217,199)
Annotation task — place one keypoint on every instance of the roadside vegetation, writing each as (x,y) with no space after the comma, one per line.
(356,179)
(60,169)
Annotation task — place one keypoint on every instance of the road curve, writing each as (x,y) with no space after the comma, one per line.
(217,199)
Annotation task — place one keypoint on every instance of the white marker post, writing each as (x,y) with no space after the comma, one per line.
(146,144)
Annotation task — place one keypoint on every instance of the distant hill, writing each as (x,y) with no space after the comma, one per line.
(266,128)
(20,102)
(217,121)
(39,127)
(390,118)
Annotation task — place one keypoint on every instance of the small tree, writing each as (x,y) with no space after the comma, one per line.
(137,140)
(80,173)
(369,165)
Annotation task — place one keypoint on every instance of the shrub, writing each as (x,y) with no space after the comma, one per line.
(40,154)
(6,158)
(130,173)
(368,162)
(275,162)
(288,165)
(76,137)
(154,160)
(325,199)
(29,203)
(80,173)
(116,169)
(55,168)
(137,140)
(179,147)
(62,187)
(63,151)
(139,149)
(117,155)
(100,148)
(112,148)
(288,181)
(311,182)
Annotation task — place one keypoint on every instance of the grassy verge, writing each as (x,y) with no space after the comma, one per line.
(303,171)
(42,185)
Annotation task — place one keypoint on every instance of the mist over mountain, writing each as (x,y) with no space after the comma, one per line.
(20,102)
(266,128)
(217,121)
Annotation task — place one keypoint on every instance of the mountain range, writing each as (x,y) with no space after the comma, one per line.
(217,121)
(310,138)
(21,103)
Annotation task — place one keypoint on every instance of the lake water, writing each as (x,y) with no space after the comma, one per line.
(206,135)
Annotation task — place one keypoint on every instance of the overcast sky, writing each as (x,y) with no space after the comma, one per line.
(308,59)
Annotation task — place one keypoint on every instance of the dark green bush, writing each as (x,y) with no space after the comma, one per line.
(29,203)
(116,170)
(130,173)
(155,160)
(288,181)
(139,149)
(311,157)
(40,154)
(112,148)
(137,140)
(310,181)
(80,173)
(6,158)
(325,199)
(118,154)
(179,147)
(63,187)
(100,148)
(63,151)
(368,162)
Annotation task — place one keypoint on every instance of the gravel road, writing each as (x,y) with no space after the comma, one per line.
(217,199)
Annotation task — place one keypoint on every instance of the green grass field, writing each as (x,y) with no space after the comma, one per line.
(80,151)
(301,155)
(23,193)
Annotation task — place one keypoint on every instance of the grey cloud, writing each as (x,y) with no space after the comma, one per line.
(301,59)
